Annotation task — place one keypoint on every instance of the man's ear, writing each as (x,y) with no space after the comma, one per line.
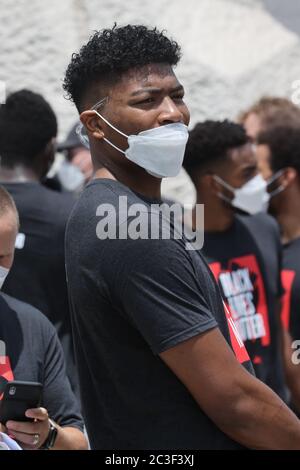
(289,176)
(44,160)
(50,147)
(211,183)
(92,124)
(206,182)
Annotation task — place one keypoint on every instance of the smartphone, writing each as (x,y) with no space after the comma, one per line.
(18,397)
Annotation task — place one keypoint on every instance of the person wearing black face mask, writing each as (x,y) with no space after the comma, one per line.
(279,162)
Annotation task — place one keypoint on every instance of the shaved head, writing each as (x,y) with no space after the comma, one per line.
(7,203)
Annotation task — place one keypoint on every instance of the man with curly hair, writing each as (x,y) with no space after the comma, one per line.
(154,347)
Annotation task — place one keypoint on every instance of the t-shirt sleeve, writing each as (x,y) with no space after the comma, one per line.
(58,398)
(160,293)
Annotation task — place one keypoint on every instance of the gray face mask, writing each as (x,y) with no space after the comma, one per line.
(3,275)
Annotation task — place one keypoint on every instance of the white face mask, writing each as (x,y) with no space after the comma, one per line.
(160,151)
(3,275)
(252,197)
(70,176)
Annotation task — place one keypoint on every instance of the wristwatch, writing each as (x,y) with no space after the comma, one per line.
(50,441)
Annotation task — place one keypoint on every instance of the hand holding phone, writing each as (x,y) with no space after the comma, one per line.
(19,397)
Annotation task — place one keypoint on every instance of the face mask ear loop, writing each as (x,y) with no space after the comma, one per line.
(277,191)
(271,181)
(113,145)
(79,129)
(275,176)
(110,125)
(223,183)
(226,199)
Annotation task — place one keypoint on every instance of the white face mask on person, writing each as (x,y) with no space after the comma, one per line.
(160,151)
(3,275)
(70,177)
(252,197)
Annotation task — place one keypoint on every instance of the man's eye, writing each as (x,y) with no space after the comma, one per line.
(178,98)
(250,173)
(146,101)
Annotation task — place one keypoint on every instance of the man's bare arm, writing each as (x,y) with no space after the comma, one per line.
(239,404)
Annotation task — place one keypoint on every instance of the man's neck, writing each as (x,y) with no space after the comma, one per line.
(19,174)
(148,187)
(217,218)
(286,211)
(289,222)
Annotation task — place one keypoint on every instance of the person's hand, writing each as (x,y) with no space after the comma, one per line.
(30,435)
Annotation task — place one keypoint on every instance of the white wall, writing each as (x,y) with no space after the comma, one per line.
(234,50)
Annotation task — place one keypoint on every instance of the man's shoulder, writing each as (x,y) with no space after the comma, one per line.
(57,200)
(54,208)
(26,313)
(112,216)
(35,201)
(106,190)
(261,223)
(105,199)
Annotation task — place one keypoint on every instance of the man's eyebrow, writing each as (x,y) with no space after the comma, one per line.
(155,90)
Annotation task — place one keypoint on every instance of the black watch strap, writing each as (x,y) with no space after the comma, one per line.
(50,441)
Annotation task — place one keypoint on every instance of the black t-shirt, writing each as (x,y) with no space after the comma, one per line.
(291,284)
(38,274)
(132,299)
(30,351)
(246,261)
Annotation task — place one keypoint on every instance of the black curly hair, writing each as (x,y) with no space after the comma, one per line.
(110,53)
(27,124)
(284,145)
(209,143)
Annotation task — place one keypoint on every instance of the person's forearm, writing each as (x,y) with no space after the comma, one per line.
(292,370)
(293,383)
(260,420)
(70,438)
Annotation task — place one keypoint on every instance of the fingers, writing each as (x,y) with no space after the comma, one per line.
(22,427)
(26,440)
(31,434)
(37,413)
(3,428)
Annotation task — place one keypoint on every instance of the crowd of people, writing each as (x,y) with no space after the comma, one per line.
(142,341)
